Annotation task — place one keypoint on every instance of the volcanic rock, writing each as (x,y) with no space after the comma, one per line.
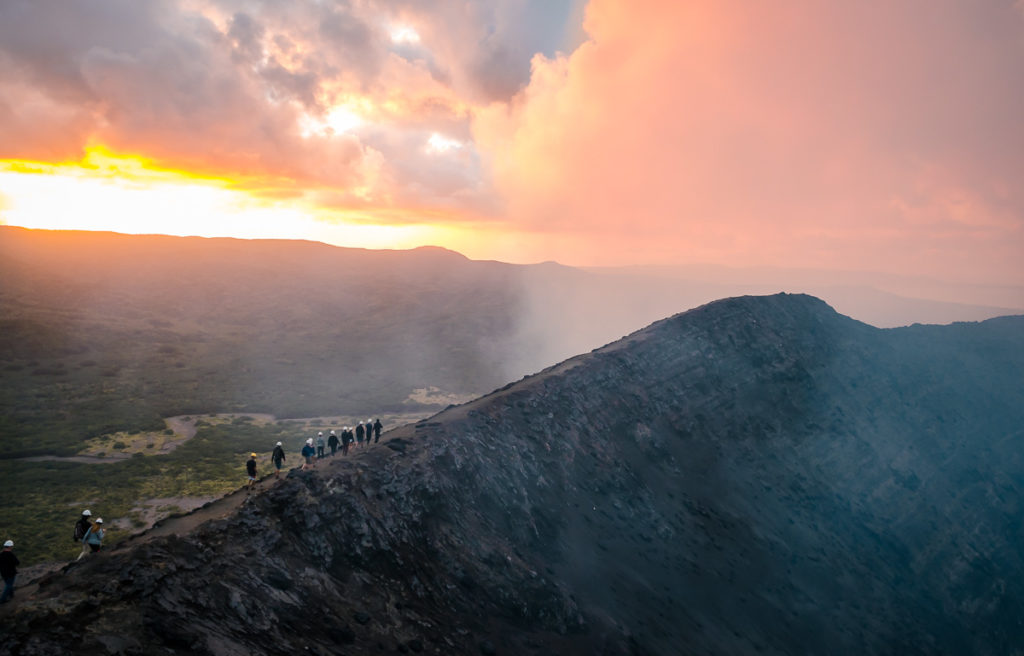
(758,475)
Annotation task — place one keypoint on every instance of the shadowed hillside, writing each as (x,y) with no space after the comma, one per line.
(104,332)
(758,475)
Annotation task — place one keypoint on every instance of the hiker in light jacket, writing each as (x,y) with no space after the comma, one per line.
(93,540)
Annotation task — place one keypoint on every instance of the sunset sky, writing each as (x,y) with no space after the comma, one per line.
(881,136)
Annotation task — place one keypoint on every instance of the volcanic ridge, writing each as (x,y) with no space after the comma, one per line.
(758,475)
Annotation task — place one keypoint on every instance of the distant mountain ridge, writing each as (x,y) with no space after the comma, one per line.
(757,475)
(101,332)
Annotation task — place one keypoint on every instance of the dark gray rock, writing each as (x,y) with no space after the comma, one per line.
(759,475)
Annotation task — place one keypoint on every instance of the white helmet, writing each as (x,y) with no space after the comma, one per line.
(278,444)
(332,432)
(9,543)
(99,520)
(320,434)
(86,513)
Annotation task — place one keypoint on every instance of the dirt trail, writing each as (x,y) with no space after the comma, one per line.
(173,525)
(184,428)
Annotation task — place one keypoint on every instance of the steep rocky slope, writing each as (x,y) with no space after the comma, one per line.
(759,475)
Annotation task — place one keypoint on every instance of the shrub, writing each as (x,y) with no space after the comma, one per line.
(120,445)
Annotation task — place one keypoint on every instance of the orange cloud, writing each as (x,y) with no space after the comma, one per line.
(251,93)
(809,134)
(831,134)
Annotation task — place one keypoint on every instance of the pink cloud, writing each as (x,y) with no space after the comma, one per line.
(820,134)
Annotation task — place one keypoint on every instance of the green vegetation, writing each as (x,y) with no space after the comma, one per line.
(104,336)
(42,500)
(115,336)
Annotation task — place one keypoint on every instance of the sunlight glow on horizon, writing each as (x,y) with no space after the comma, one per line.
(129,194)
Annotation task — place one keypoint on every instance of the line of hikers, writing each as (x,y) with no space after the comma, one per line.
(315,449)
(90,533)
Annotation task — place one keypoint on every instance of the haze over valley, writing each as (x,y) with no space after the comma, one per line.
(106,332)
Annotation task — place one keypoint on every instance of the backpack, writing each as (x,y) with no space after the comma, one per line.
(81,528)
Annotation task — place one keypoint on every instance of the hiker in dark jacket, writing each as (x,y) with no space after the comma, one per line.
(278,458)
(376,430)
(307,453)
(332,442)
(250,470)
(346,440)
(369,432)
(360,431)
(8,571)
(82,528)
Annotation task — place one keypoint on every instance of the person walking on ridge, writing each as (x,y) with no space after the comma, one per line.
(307,453)
(93,540)
(346,439)
(278,458)
(332,442)
(82,527)
(360,431)
(369,432)
(250,469)
(376,430)
(320,445)
(8,571)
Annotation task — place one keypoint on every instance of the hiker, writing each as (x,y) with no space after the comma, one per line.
(369,431)
(346,439)
(93,540)
(278,458)
(307,452)
(360,431)
(319,445)
(332,442)
(82,527)
(250,469)
(8,571)
(376,430)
